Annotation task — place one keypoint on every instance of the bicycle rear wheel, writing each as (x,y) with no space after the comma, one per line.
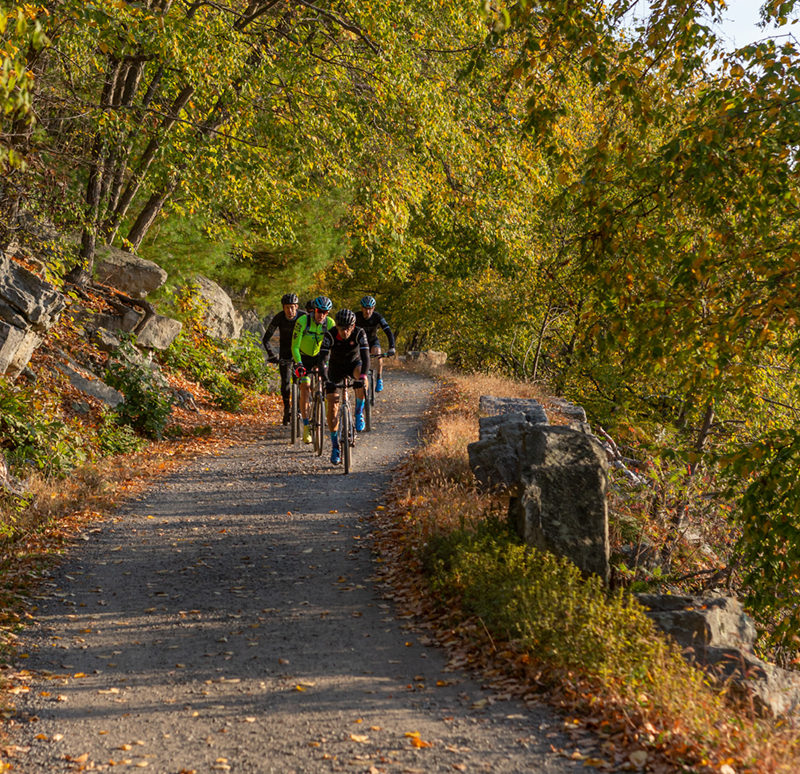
(345,433)
(295,412)
(318,423)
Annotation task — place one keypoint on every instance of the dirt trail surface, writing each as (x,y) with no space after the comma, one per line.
(227,621)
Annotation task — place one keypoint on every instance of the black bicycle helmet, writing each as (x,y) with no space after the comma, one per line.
(368,302)
(345,318)
(310,305)
(323,303)
(290,298)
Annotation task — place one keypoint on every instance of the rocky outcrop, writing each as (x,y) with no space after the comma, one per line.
(90,384)
(158,332)
(252,322)
(28,307)
(128,273)
(219,315)
(716,633)
(555,477)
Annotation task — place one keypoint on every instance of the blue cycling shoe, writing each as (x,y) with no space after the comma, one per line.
(379,385)
(360,424)
(336,456)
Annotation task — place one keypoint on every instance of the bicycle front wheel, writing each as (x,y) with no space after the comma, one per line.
(345,433)
(318,423)
(295,412)
(367,415)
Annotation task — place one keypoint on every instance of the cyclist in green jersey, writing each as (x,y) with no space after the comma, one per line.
(306,342)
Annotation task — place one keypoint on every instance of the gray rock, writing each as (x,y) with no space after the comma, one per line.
(717,634)
(124,323)
(570,410)
(429,358)
(16,347)
(159,332)
(556,477)
(701,622)
(28,307)
(23,293)
(219,315)
(563,507)
(91,385)
(105,340)
(253,323)
(134,276)
(532,410)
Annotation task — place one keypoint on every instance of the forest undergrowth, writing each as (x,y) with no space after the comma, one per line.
(536,630)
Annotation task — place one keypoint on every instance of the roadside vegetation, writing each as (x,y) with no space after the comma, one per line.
(538,630)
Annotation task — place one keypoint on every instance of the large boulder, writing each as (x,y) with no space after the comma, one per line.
(28,307)
(717,634)
(427,358)
(555,477)
(134,276)
(158,332)
(219,315)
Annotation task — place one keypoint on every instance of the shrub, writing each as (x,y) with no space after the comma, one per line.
(147,406)
(248,356)
(116,438)
(199,356)
(32,433)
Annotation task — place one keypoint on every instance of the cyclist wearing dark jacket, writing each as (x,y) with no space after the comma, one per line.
(370,320)
(284,323)
(344,352)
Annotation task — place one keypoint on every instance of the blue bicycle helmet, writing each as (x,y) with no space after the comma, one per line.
(368,302)
(290,298)
(345,318)
(323,303)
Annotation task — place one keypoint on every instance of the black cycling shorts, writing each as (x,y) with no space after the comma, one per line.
(336,374)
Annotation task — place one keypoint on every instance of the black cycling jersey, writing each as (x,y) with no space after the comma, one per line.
(341,356)
(285,326)
(376,320)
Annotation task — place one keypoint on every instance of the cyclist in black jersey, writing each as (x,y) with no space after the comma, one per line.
(370,320)
(344,352)
(284,323)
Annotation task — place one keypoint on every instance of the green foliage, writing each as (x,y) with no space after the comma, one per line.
(31,433)
(248,359)
(201,358)
(147,405)
(541,602)
(114,437)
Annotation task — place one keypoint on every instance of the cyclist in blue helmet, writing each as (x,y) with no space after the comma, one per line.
(370,320)
(306,342)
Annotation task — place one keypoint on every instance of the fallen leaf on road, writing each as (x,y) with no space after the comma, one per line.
(359,738)
(638,758)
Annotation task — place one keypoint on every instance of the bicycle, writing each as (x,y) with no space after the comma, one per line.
(295,422)
(317,411)
(347,428)
(370,401)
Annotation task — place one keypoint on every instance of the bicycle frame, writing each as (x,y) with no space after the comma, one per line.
(317,411)
(295,422)
(347,431)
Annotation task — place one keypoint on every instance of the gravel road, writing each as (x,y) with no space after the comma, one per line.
(226,620)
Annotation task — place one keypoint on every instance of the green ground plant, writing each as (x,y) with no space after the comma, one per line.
(33,434)
(147,405)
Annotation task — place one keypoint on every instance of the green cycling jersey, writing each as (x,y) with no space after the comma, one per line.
(307,336)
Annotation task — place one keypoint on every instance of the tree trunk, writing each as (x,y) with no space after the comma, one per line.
(149,214)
